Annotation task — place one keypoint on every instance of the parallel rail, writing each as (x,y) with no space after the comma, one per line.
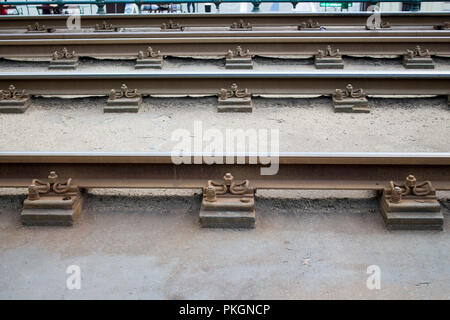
(209,83)
(127,45)
(346,171)
(226,19)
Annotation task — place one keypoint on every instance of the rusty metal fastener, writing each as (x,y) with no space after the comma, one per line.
(229,185)
(12,94)
(234,92)
(64,54)
(33,192)
(148,53)
(309,24)
(105,26)
(41,187)
(239,52)
(411,187)
(418,52)
(328,52)
(210,194)
(38,27)
(241,25)
(349,92)
(396,195)
(171,26)
(123,93)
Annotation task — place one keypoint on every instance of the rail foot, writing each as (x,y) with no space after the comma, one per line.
(411,206)
(124,100)
(235,100)
(228,204)
(13,101)
(350,100)
(52,203)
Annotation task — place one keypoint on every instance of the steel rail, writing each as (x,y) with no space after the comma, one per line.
(221,32)
(181,45)
(226,19)
(346,171)
(209,83)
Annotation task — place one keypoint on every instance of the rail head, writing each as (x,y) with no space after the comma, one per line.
(369,158)
(407,74)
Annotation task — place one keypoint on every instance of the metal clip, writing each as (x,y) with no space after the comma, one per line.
(309,24)
(328,53)
(228,186)
(149,53)
(241,25)
(12,94)
(39,187)
(239,52)
(234,92)
(39,28)
(123,93)
(418,52)
(64,55)
(104,26)
(171,26)
(410,187)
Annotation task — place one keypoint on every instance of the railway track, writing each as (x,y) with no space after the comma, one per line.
(68,173)
(204,47)
(308,171)
(194,44)
(406,183)
(210,83)
(421,19)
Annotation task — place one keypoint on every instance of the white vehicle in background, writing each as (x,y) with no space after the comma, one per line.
(131,8)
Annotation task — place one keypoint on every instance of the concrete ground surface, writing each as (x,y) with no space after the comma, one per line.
(305,125)
(152,247)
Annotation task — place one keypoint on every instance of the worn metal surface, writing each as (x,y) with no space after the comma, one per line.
(209,83)
(361,44)
(349,171)
(226,19)
(223,33)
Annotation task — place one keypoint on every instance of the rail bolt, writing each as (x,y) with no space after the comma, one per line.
(33,193)
(210,194)
(410,181)
(396,195)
